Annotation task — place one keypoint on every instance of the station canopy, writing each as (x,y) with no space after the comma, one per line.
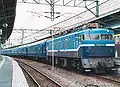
(7,17)
(32,22)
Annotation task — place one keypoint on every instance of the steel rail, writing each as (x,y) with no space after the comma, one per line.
(30,75)
(108,79)
(59,85)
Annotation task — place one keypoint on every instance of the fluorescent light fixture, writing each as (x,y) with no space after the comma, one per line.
(114,27)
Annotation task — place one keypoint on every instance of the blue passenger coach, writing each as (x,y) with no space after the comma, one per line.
(37,50)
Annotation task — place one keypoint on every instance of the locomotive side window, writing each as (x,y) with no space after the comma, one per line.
(82,37)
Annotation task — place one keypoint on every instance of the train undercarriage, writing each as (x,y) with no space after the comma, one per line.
(96,65)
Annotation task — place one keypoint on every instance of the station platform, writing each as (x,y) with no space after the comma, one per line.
(11,74)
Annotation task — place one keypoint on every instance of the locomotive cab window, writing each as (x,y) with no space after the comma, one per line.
(98,36)
(91,36)
(106,36)
(94,36)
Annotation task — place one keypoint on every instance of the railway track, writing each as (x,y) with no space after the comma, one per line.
(40,79)
(77,80)
(31,82)
(111,79)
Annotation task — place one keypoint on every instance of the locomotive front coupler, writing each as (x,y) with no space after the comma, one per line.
(100,68)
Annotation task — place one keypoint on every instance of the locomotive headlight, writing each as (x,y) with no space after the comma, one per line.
(90,63)
(110,62)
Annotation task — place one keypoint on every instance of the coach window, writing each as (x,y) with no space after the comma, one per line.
(65,42)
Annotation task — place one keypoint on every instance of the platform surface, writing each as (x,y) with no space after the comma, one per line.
(6,73)
(19,79)
(11,74)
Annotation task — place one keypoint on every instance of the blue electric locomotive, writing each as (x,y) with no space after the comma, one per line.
(89,49)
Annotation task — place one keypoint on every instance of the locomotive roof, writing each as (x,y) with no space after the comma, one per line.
(92,31)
